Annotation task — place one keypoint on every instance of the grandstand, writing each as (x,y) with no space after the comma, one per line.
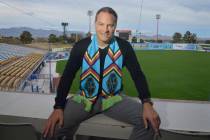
(16,64)
(12,75)
(8,51)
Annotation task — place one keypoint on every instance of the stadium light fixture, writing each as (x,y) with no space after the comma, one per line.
(64,24)
(50,71)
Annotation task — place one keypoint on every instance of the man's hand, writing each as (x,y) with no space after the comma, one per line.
(55,117)
(149,114)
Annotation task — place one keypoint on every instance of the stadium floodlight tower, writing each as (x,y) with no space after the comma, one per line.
(89,13)
(50,70)
(157,18)
(140,21)
(64,24)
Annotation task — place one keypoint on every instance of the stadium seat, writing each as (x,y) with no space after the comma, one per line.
(17,132)
(4,81)
(10,82)
(16,83)
(2,77)
(7,61)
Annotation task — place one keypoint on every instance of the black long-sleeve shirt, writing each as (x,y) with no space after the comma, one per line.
(75,62)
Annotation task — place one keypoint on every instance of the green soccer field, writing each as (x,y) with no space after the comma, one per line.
(170,74)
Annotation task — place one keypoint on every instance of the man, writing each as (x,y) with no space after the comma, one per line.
(101,58)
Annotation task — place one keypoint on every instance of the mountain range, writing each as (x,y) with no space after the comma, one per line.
(16,31)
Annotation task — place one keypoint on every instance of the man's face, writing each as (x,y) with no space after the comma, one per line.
(105,26)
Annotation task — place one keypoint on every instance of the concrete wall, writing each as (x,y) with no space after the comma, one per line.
(175,115)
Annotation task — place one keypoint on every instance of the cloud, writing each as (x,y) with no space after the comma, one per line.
(179,14)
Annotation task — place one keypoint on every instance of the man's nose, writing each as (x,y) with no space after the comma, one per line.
(106,28)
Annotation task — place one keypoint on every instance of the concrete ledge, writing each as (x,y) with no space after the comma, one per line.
(175,115)
(36,123)
(103,126)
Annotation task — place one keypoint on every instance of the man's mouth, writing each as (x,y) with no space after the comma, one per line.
(105,35)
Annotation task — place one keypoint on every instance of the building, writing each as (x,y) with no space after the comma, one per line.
(124,34)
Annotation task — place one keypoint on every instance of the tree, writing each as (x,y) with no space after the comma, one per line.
(71,39)
(189,37)
(134,40)
(207,42)
(193,38)
(52,38)
(141,41)
(160,41)
(177,37)
(61,39)
(151,40)
(26,37)
(186,37)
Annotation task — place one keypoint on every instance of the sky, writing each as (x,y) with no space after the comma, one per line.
(176,15)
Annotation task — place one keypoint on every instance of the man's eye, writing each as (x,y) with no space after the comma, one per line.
(111,26)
